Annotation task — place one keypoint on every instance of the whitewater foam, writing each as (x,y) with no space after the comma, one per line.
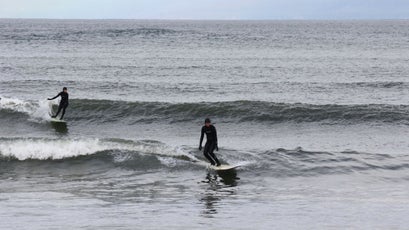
(43,149)
(17,105)
(55,149)
(37,111)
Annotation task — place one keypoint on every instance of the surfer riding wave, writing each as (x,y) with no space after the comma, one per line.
(211,142)
(63,103)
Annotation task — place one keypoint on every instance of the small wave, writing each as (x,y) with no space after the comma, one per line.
(237,111)
(138,31)
(127,153)
(377,84)
(301,163)
(77,35)
(147,154)
(45,149)
(107,111)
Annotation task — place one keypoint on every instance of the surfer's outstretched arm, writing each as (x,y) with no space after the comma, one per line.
(54,97)
(201,139)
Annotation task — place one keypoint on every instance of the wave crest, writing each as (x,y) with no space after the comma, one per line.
(106,111)
(238,111)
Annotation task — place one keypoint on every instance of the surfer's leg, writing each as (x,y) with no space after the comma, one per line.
(63,112)
(210,159)
(213,156)
(206,151)
(59,110)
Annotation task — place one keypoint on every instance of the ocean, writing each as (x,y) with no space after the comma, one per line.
(316,113)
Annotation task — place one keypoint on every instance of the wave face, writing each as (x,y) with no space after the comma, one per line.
(244,111)
(105,111)
(153,155)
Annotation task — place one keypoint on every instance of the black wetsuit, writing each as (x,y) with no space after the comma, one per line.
(211,143)
(63,103)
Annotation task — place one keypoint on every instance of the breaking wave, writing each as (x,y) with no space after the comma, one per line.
(105,111)
(150,155)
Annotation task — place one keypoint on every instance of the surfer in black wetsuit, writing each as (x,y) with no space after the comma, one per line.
(211,142)
(63,103)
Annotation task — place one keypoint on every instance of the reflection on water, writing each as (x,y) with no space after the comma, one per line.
(60,127)
(228,177)
(220,185)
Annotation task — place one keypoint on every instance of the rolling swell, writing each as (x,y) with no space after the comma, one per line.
(236,111)
(84,35)
(96,156)
(302,163)
(108,111)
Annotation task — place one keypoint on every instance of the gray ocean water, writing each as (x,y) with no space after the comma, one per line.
(316,113)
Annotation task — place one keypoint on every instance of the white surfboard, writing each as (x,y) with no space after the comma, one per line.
(223,167)
(56,120)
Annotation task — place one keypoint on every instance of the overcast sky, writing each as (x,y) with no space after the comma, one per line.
(206,9)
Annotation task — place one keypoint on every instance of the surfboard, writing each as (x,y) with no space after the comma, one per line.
(56,120)
(223,167)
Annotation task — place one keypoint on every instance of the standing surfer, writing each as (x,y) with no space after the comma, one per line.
(63,103)
(211,142)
